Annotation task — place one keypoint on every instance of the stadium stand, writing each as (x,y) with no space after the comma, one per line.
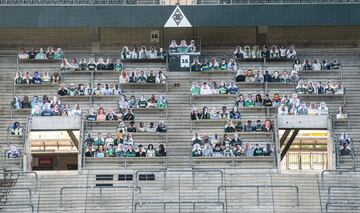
(182,156)
(55,163)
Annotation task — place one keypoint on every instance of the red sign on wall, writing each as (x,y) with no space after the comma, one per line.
(43,161)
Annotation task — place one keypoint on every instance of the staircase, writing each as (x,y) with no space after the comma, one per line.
(179,135)
(344,191)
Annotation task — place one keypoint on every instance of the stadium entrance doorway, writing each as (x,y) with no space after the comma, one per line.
(54,150)
(308,151)
(304,143)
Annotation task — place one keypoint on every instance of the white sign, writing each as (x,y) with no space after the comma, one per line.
(177,19)
(154,36)
(184,61)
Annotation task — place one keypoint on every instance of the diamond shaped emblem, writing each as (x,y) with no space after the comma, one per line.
(177,19)
(178,16)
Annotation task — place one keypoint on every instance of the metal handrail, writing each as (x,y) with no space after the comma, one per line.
(28,190)
(339,171)
(328,201)
(337,154)
(126,159)
(193,171)
(2,162)
(341,73)
(134,188)
(276,141)
(80,145)
(297,204)
(342,205)
(19,205)
(27,145)
(18,173)
(164,203)
(338,187)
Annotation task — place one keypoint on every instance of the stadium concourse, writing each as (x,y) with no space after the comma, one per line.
(178,116)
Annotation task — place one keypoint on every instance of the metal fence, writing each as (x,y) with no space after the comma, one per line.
(296,199)
(17,207)
(23,200)
(163,205)
(97,196)
(344,202)
(337,172)
(193,173)
(33,182)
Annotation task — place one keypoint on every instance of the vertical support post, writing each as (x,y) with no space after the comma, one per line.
(93,84)
(95,36)
(341,73)
(190,72)
(191,156)
(335,147)
(101,198)
(277,145)
(81,146)
(166,144)
(179,194)
(164,186)
(331,152)
(264,64)
(257,196)
(27,147)
(61,198)
(162,40)
(193,179)
(17,62)
(133,199)
(14,88)
(8,136)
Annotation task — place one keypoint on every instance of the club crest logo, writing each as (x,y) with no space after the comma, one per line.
(177,19)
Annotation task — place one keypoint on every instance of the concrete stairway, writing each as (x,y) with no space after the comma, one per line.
(178,186)
(344,191)
(179,148)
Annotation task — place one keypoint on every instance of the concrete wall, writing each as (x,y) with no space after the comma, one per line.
(75,38)
(55,123)
(211,38)
(315,35)
(303,122)
(198,16)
